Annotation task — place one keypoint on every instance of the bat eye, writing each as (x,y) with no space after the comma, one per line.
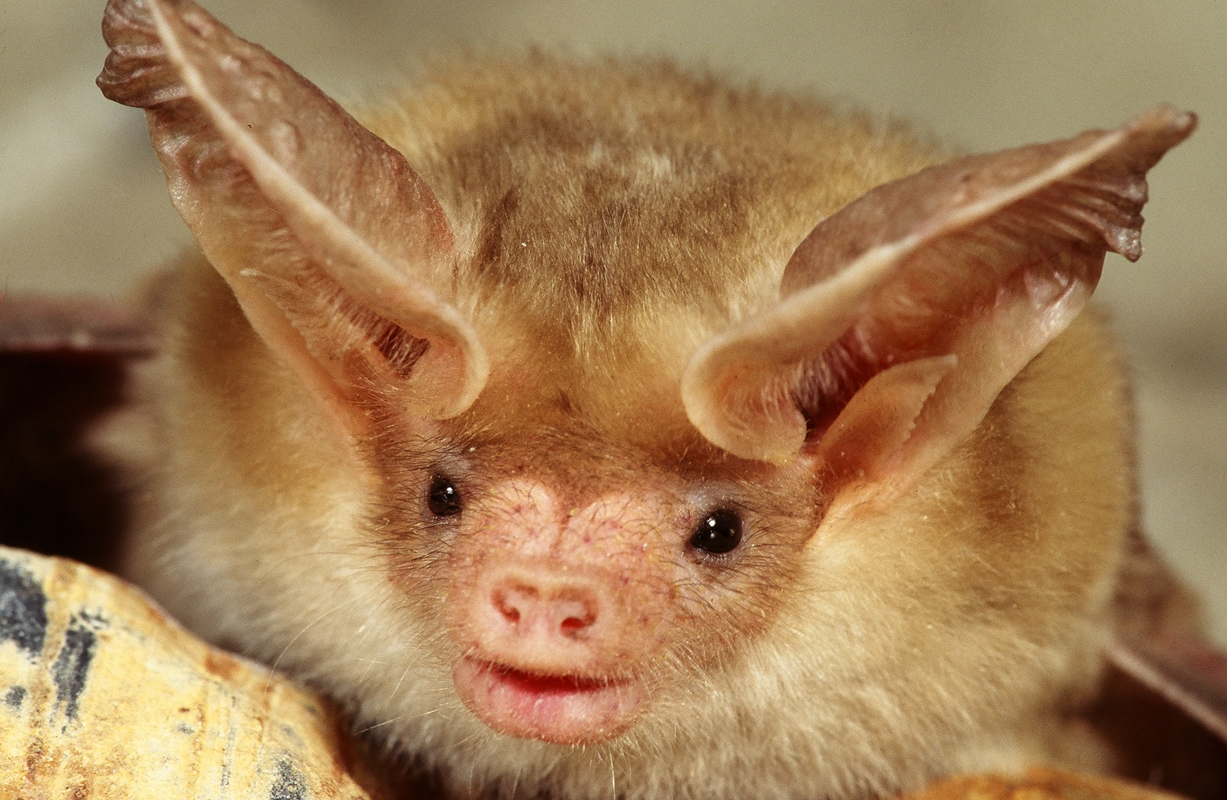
(719,533)
(443,498)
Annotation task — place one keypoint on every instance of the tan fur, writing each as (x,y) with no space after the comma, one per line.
(610,219)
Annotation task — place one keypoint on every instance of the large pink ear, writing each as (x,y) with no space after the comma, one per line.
(335,248)
(903,316)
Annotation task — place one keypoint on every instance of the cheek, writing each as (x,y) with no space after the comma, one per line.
(416,563)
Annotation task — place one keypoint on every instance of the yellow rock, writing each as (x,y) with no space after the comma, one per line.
(103,696)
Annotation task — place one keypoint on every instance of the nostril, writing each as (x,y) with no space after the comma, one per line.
(571,626)
(555,609)
(512,602)
(575,614)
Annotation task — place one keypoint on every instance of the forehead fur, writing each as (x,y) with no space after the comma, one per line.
(617,217)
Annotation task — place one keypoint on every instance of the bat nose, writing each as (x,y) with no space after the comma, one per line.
(549,618)
(534,605)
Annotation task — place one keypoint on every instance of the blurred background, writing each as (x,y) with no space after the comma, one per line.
(83,205)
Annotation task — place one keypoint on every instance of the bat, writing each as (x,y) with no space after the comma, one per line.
(595,429)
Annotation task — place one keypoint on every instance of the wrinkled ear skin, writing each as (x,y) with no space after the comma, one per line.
(63,363)
(939,287)
(338,253)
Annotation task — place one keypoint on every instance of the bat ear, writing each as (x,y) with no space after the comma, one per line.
(335,248)
(904,315)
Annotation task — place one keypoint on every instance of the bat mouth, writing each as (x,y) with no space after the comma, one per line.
(561,709)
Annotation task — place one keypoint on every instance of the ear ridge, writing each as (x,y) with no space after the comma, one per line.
(1007,234)
(364,350)
(738,387)
(235,127)
(889,406)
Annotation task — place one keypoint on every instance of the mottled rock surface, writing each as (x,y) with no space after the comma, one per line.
(103,696)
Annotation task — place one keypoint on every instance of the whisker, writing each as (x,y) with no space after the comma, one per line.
(369,663)
(381,724)
(299,635)
(398,684)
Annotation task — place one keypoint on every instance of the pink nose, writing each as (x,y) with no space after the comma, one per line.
(539,606)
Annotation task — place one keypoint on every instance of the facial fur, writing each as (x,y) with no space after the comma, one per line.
(511,597)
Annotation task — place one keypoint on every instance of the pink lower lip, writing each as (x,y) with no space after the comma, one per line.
(531,683)
(562,709)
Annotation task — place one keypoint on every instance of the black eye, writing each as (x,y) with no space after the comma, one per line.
(719,533)
(443,498)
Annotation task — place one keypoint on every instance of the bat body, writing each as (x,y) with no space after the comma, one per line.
(600,430)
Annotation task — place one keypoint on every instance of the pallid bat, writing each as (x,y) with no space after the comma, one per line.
(601,430)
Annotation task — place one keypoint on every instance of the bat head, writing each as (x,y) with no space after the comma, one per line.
(627,425)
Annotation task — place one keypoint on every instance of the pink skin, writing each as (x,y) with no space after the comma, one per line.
(555,614)
(561,710)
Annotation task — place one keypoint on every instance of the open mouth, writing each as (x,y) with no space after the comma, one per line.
(563,709)
(544,684)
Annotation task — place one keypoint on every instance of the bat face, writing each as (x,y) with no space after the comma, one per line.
(581,426)
(577,577)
